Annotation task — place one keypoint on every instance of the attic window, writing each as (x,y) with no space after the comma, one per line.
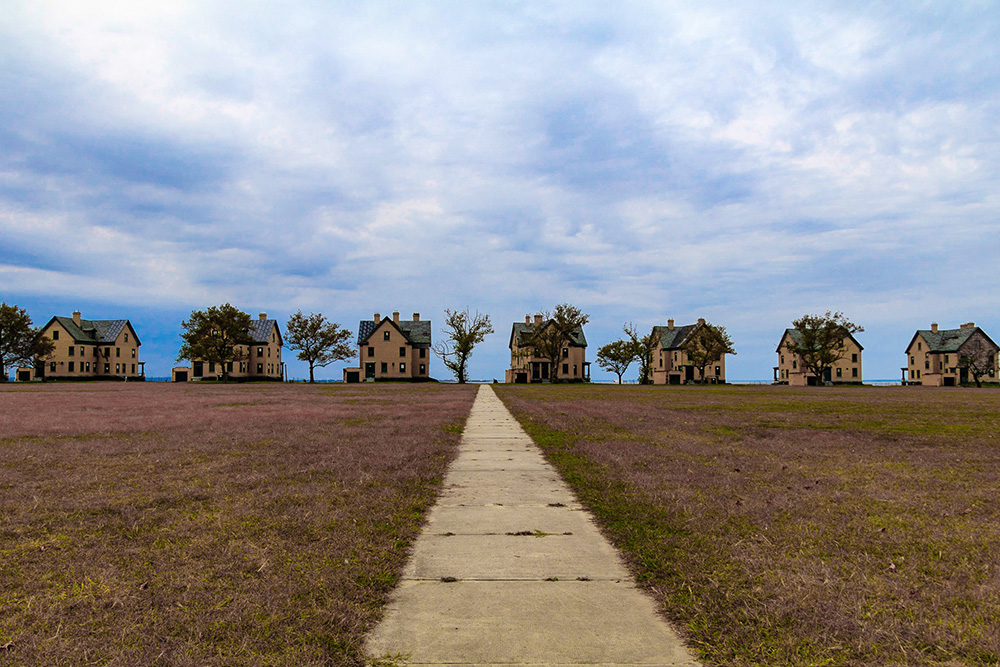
(126,337)
(385,335)
(55,335)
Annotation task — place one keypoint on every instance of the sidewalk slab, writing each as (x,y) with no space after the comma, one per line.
(478,591)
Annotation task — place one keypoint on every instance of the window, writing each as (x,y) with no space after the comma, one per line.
(840,372)
(55,336)
(260,368)
(782,358)
(854,357)
(423,369)
(927,365)
(71,367)
(52,365)
(118,369)
(661,362)
(229,367)
(402,351)
(795,363)
(88,366)
(918,375)
(211,367)
(385,335)
(565,352)
(718,371)
(371,351)
(118,352)
(133,369)
(133,353)
(107,368)
(574,370)
(126,336)
(260,352)
(565,369)
(402,367)
(72,351)
(269,352)
(423,353)
(912,360)
(946,358)
(385,367)
(854,372)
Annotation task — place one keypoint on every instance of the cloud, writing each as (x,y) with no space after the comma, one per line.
(646,161)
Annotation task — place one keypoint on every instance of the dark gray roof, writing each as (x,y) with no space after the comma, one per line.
(948,340)
(417,332)
(796,337)
(523,330)
(94,331)
(260,331)
(673,339)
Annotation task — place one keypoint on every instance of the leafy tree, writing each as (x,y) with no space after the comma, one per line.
(706,345)
(617,357)
(820,341)
(464,331)
(213,335)
(20,342)
(643,347)
(554,332)
(318,341)
(978,356)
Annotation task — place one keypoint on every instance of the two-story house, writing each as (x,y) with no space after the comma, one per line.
(258,361)
(935,356)
(670,363)
(90,350)
(392,349)
(526,366)
(791,371)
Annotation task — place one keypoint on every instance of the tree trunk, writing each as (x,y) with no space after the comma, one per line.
(312,378)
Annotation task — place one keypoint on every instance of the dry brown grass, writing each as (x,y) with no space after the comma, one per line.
(210,525)
(776,526)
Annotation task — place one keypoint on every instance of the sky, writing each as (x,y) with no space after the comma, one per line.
(745,162)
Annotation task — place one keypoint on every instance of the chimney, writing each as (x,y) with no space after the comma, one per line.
(395,316)
(701,320)
(262,316)
(527,319)
(378,318)
(934,327)
(670,325)
(538,320)
(76,317)
(416,317)
(969,325)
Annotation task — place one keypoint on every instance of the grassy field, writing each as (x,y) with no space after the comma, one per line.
(148,524)
(780,526)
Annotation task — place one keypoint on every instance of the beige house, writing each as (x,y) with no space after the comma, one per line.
(259,361)
(526,366)
(89,350)
(791,371)
(392,349)
(670,363)
(934,356)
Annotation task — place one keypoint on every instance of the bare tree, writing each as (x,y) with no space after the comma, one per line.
(464,331)
(643,348)
(554,332)
(318,341)
(616,357)
(820,342)
(978,357)
(706,345)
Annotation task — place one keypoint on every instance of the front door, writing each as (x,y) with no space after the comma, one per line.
(369,370)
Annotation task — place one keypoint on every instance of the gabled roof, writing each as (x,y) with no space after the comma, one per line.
(260,331)
(948,340)
(416,332)
(523,330)
(94,331)
(796,337)
(673,339)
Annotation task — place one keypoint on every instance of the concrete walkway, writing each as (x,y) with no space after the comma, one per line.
(510,570)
